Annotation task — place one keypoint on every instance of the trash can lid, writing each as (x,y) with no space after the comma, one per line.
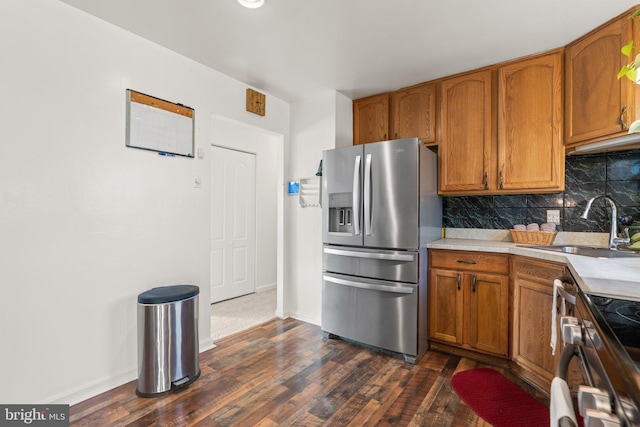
(164,294)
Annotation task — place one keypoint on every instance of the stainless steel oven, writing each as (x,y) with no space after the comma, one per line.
(604,334)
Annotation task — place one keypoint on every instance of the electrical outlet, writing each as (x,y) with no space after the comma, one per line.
(553,216)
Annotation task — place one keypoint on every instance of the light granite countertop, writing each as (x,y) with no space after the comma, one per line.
(614,277)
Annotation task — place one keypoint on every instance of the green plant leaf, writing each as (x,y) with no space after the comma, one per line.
(632,74)
(624,71)
(635,127)
(627,48)
(635,14)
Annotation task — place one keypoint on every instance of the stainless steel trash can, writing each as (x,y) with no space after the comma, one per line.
(167,339)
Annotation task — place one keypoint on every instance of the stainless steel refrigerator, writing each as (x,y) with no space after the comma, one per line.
(380,208)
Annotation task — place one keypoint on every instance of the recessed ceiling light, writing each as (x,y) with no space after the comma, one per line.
(252,4)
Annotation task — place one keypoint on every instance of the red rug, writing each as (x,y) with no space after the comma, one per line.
(497,400)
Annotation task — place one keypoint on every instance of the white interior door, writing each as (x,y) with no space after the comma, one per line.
(233,223)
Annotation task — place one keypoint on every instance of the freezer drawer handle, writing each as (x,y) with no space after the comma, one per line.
(370,286)
(370,255)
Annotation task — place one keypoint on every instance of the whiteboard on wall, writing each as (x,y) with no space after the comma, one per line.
(159,125)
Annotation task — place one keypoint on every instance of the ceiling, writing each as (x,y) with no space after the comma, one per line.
(296,49)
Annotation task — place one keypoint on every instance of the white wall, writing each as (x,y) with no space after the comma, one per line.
(316,125)
(86,224)
(344,121)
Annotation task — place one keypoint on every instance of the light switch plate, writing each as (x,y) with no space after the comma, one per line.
(553,216)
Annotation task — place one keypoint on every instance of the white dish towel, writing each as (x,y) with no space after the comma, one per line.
(554,314)
(561,404)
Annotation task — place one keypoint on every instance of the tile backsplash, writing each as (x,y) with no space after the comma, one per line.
(615,174)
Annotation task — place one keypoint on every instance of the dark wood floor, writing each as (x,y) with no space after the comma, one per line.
(283,373)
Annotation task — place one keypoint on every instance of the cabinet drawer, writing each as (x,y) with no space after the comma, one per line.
(539,271)
(469,261)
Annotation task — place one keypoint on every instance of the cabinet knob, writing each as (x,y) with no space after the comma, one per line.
(486,180)
(459,280)
(623,118)
(474,280)
(501,180)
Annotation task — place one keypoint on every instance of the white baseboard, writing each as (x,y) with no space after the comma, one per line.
(206,344)
(307,319)
(94,388)
(267,287)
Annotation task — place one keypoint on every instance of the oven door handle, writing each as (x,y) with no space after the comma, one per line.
(566,295)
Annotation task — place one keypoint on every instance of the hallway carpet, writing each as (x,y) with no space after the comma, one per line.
(238,314)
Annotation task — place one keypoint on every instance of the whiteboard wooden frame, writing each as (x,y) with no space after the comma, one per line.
(158,125)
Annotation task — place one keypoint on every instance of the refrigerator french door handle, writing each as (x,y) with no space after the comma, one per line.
(367,195)
(370,255)
(356,197)
(370,286)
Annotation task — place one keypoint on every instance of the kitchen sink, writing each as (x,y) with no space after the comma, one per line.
(587,251)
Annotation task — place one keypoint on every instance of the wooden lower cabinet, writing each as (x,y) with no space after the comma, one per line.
(497,308)
(532,306)
(469,305)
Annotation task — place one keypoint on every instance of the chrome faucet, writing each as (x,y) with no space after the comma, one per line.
(614,240)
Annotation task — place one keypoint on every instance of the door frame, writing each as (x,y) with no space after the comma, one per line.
(276,142)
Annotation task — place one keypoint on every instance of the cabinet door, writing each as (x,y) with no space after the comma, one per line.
(371,119)
(532,328)
(445,306)
(596,100)
(466,140)
(530,149)
(414,113)
(532,302)
(488,307)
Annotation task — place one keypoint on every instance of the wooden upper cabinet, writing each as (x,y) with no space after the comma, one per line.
(371,119)
(413,113)
(530,145)
(466,142)
(513,145)
(598,105)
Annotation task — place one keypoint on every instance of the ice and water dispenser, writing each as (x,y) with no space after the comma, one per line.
(341,212)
